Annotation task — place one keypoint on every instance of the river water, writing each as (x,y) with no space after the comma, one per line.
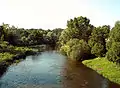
(50,69)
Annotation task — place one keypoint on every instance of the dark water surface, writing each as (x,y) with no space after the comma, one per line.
(51,70)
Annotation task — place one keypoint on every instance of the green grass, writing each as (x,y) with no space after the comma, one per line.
(104,67)
(12,51)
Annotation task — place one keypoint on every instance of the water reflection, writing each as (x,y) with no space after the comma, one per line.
(76,75)
(51,70)
(3,69)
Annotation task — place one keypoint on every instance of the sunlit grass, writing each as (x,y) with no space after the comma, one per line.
(106,68)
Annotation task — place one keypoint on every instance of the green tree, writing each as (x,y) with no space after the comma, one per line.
(76,28)
(1,34)
(76,49)
(113,53)
(97,40)
(113,44)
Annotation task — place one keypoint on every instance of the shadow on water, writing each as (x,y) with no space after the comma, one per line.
(3,69)
(45,67)
(77,75)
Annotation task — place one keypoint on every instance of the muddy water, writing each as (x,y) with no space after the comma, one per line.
(51,70)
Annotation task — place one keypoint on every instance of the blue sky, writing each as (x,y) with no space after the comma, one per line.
(49,14)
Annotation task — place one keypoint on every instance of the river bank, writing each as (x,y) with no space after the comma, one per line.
(50,69)
(104,67)
(16,53)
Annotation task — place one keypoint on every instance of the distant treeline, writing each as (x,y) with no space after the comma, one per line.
(27,37)
(80,40)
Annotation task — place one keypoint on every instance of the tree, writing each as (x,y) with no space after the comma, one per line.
(1,33)
(97,40)
(74,39)
(113,44)
(76,28)
(76,49)
(113,53)
(98,49)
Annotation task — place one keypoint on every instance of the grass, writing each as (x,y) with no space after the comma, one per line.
(104,67)
(7,52)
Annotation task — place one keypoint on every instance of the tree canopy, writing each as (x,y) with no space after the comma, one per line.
(79,40)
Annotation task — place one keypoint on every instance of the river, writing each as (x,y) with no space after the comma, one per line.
(50,69)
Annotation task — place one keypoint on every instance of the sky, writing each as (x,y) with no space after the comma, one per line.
(50,14)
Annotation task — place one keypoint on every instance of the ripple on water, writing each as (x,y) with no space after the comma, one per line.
(51,70)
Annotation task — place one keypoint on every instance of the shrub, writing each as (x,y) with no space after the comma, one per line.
(5,56)
(80,51)
(98,50)
(64,49)
(113,44)
(76,49)
(113,53)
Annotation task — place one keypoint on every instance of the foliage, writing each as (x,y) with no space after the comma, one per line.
(98,49)
(3,45)
(74,38)
(78,28)
(16,41)
(113,53)
(80,51)
(23,49)
(64,49)
(5,56)
(76,49)
(97,40)
(26,37)
(113,44)
(104,67)
(79,33)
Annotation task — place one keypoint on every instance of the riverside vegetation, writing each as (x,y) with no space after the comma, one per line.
(16,43)
(82,41)
(79,41)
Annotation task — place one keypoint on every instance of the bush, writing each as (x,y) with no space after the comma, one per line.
(4,45)
(64,49)
(113,53)
(98,50)
(80,51)
(76,49)
(5,56)
(113,44)
(97,41)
